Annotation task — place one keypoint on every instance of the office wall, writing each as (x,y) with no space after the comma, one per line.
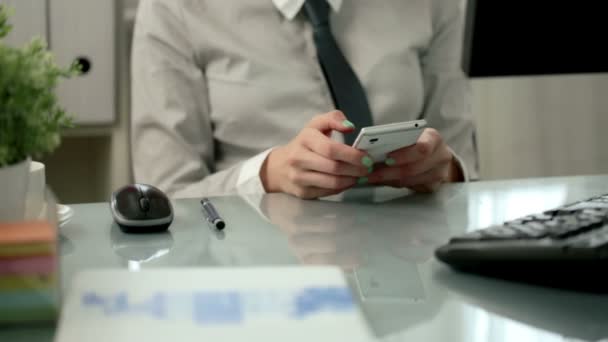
(528,127)
(542,126)
(95,159)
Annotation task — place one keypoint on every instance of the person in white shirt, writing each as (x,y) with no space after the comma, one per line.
(229,96)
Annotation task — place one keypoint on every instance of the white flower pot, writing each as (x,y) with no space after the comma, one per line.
(13,191)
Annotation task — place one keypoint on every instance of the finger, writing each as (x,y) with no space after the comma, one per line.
(334,120)
(440,158)
(426,145)
(330,149)
(312,161)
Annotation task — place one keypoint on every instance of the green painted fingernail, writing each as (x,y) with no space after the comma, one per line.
(362,180)
(367,161)
(348,124)
(370,169)
(390,161)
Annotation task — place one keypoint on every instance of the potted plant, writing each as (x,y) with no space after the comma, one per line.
(30,117)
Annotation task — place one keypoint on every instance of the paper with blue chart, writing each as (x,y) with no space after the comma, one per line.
(194,304)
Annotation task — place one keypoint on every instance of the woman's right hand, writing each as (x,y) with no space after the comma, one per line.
(313,165)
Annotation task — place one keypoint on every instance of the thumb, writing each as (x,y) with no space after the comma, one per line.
(332,121)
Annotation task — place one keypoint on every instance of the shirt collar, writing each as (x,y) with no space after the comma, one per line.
(290,8)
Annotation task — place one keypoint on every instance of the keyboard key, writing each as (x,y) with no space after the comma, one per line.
(573,228)
(500,233)
(589,205)
(531,229)
(491,233)
(563,231)
(567,220)
(529,218)
(540,217)
(597,211)
(594,239)
(562,212)
(591,214)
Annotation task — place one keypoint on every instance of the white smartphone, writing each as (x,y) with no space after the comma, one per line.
(380,140)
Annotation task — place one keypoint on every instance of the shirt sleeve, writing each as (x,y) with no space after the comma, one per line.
(171,130)
(447,90)
(249,181)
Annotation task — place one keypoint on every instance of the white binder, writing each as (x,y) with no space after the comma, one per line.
(28,20)
(86,29)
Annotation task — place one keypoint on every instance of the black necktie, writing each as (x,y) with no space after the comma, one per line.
(346,89)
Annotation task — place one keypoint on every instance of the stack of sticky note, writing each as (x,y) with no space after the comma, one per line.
(28,272)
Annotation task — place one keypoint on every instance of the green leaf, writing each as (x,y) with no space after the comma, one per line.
(31,119)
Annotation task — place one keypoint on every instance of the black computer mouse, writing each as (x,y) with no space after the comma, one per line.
(141,208)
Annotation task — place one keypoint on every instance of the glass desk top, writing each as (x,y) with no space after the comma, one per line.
(384,241)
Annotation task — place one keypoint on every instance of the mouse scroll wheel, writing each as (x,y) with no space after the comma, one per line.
(144,204)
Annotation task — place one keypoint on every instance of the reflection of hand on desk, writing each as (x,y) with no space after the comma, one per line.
(318,232)
(380,246)
(346,233)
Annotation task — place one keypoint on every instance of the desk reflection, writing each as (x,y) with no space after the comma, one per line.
(344,234)
(139,250)
(380,244)
(566,313)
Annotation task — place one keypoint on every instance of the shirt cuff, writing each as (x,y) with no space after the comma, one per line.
(249,184)
(461,165)
(249,181)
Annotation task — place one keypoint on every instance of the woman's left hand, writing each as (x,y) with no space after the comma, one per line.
(422,167)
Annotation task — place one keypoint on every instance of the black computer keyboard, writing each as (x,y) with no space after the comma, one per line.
(566,247)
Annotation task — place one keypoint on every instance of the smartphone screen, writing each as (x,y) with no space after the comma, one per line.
(378,141)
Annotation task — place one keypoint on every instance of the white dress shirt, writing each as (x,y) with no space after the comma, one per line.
(218,84)
(290,8)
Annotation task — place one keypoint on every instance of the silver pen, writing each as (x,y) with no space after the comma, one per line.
(211,214)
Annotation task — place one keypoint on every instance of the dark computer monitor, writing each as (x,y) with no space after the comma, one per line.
(535,37)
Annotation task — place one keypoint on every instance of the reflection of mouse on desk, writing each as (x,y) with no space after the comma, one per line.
(141,208)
